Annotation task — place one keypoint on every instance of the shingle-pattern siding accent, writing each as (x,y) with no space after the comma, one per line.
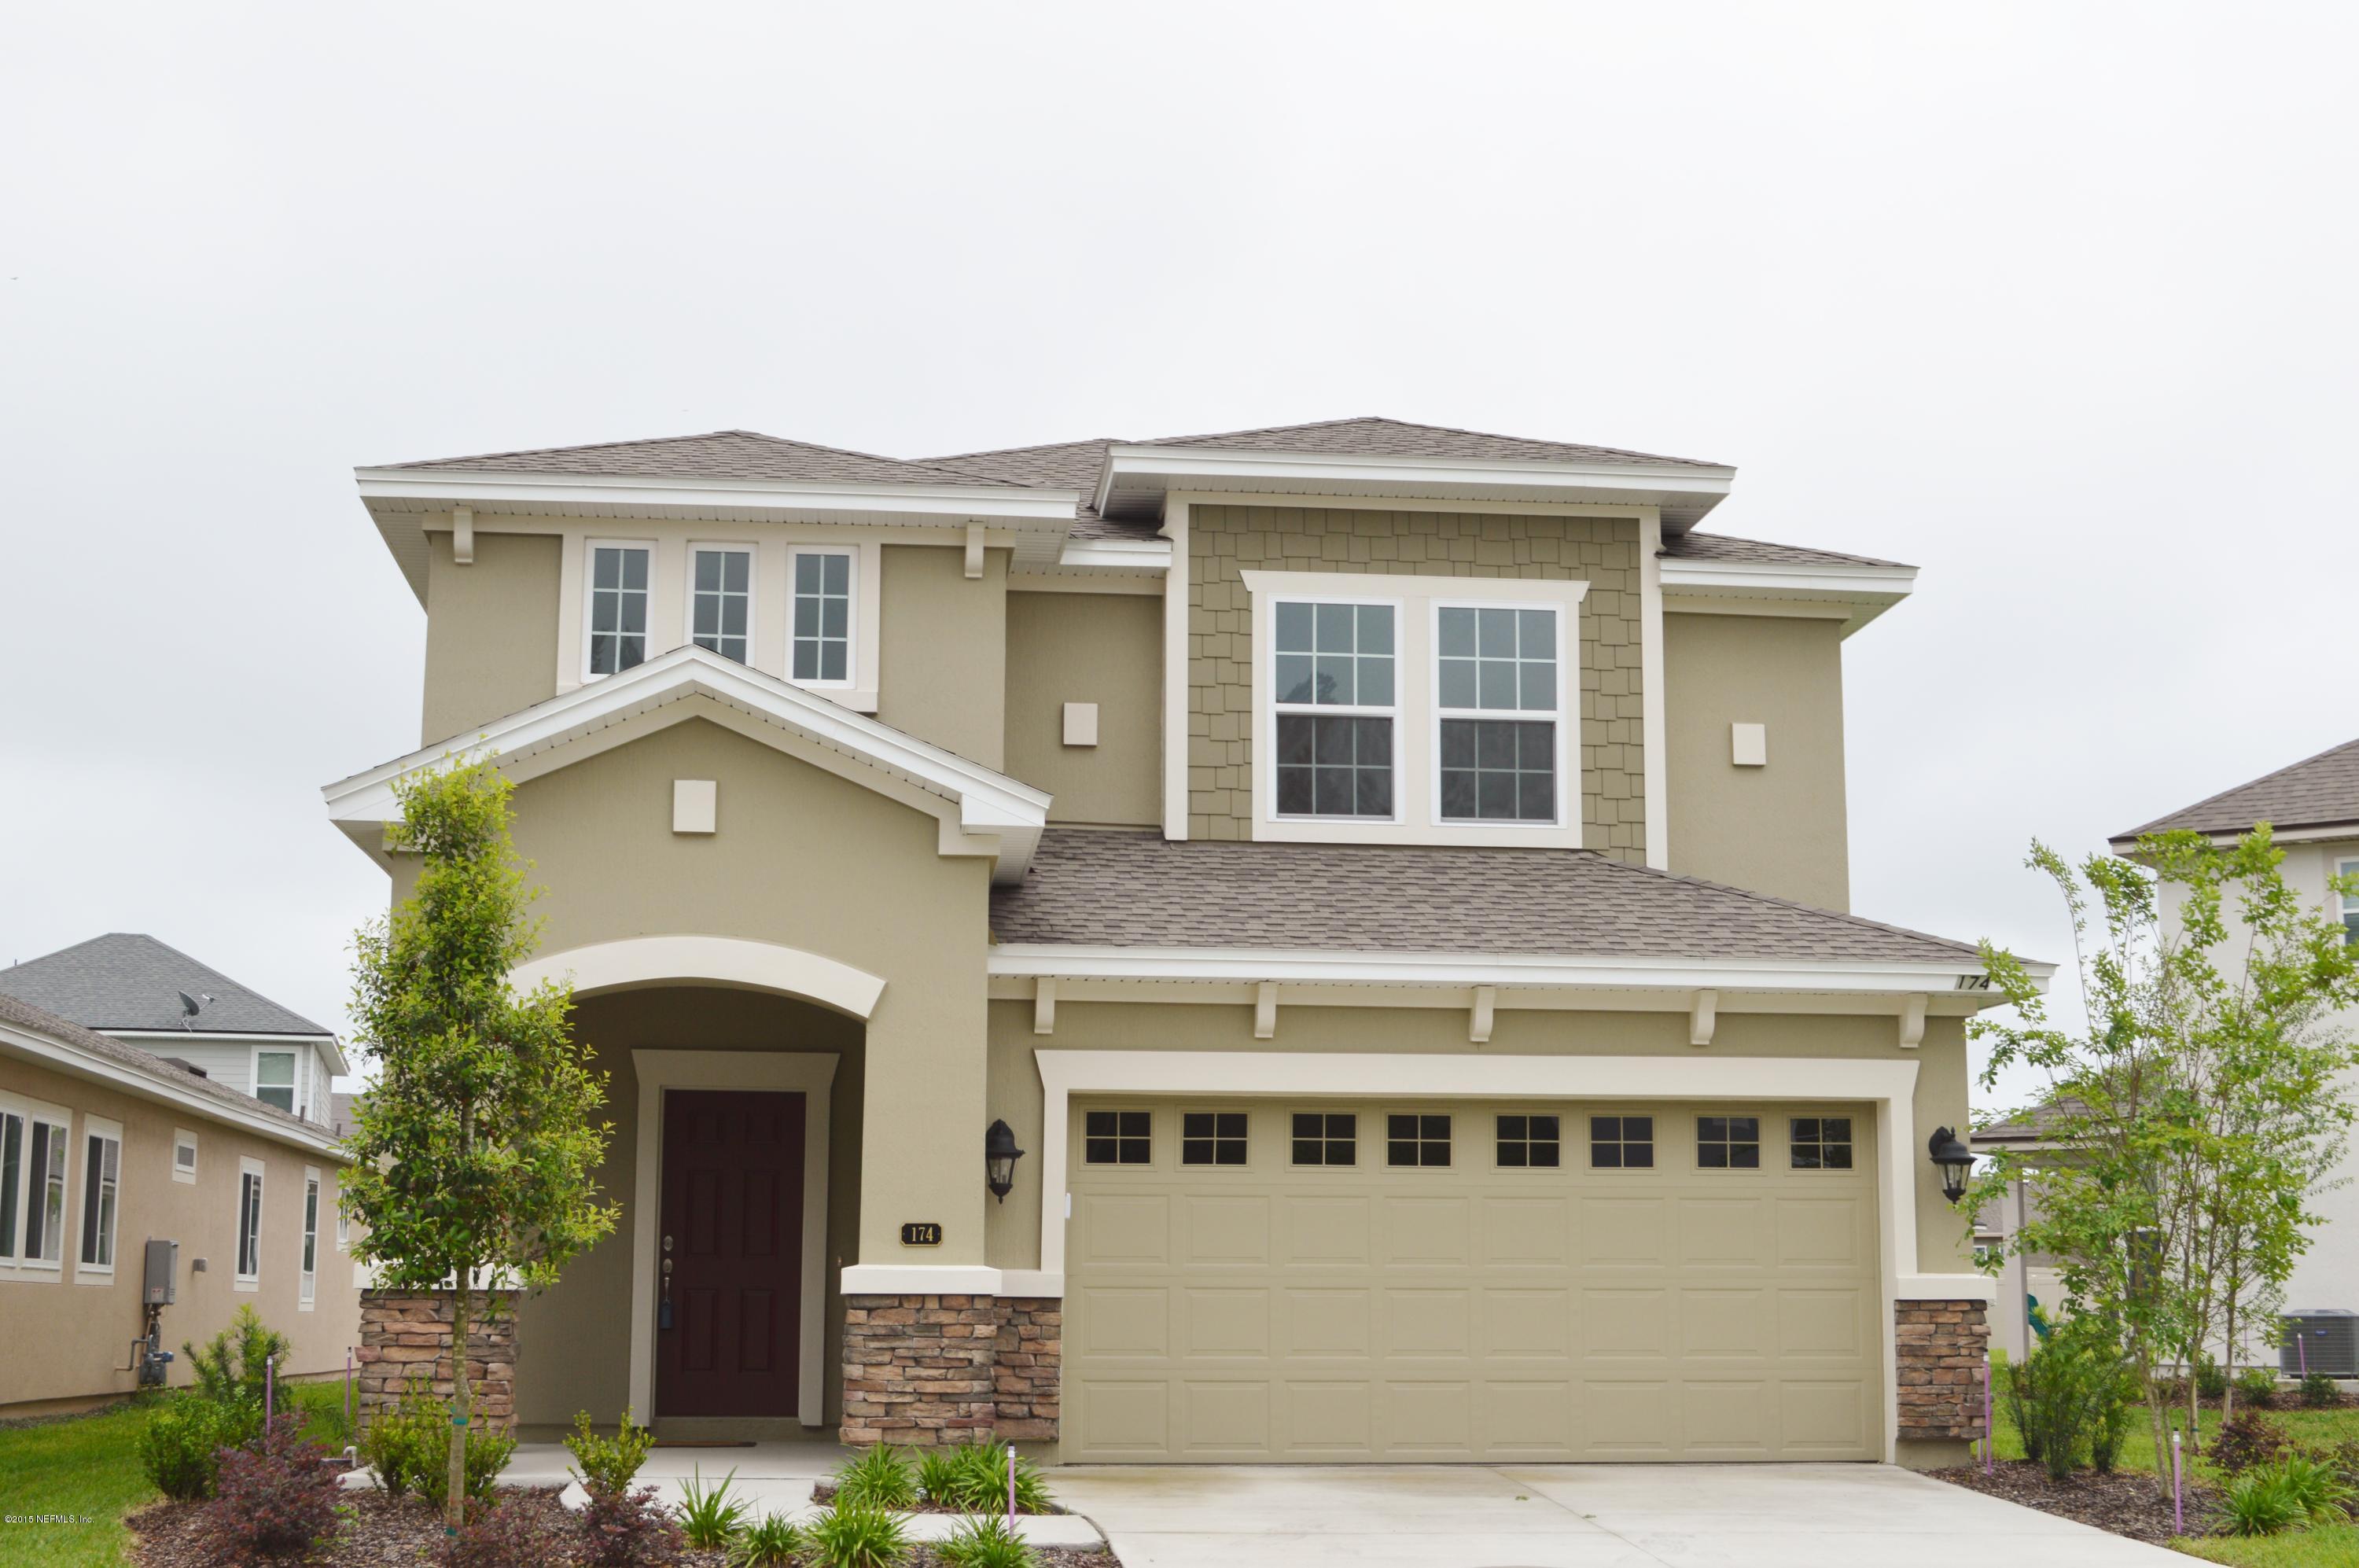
(405,1336)
(2318,791)
(1096,887)
(1940,1353)
(1223,542)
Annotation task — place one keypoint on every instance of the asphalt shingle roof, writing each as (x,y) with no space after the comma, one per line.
(1372,435)
(1692,546)
(2318,791)
(718,454)
(125,980)
(23,1015)
(1139,889)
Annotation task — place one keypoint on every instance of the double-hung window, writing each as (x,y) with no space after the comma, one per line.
(1497,699)
(274,1078)
(249,1222)
(311,1237)
(618,608)
(101,1185)
(1335,675)
(822,617)
(33,1187)
(721,600)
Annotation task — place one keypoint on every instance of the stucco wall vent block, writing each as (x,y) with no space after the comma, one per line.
(695,805)
(1081,724)
(1748,744)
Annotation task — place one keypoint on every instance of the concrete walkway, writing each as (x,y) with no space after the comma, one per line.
(1570,1516)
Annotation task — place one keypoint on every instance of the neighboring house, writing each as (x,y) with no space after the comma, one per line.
(136,990)
(2313,810)
(2027,1281)
(104,1148)
(1390,883)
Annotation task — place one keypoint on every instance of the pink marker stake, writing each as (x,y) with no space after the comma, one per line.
(1990,1433)
(1011,1486)
(2178,1490)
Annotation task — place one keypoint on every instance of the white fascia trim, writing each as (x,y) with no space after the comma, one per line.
(632,961)
(1946,1287)
(81,1063)
(1173,463)
(2329,833)
(1056,960)
(988,800)
(948,1278)
(557,491)
(1790,579)
(1120,555)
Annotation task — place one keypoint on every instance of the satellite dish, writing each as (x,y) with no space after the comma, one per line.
(190,1008)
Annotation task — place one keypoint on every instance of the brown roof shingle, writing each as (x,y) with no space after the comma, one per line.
(24,1016)
(2318,791)
(1692,546)
(717,454)
(1139,889)
(1373,436)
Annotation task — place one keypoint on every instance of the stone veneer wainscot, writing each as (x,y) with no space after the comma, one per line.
(932,1371)
(1942,1348)
(406,1335)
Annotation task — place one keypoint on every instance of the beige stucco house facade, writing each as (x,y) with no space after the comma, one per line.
(1388,881)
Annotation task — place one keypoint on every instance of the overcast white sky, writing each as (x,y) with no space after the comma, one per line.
(2054,300)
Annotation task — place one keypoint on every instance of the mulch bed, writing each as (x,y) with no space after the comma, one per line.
(823,1494)
(380,1532)
(2126,1503)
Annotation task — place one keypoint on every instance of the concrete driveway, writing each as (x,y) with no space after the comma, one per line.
(1571,1516)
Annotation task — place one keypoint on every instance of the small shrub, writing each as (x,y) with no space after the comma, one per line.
(2210,1380)
(2257,1386)
(233,1367)
(851,1536)
(624,1528)
(2318,1390)
(2315,1488)
(709,1517)
(179,1448)
(880,1478)
(2249,1440)
(938,1475)
(2257,1502)
(320,1406)
(988,1542)
(2071,1396)
(487,1454)
(980,1484)
(516,1533)
(277,1497)
(2343,1460)
(775,1542)
(404,1445)
(608,1463)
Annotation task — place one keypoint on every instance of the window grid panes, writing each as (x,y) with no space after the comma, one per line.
(823,615)
(249,1225)
(1213,1138)
(1335,675)
(44,1198)
(1527,1142)
(274,1078)
(1622,1143)
(1326,1138)
(618,608)
(1118,1137)
(722,605)
(101,1178)
(1819,1143)
(1496,691)
(1417,1140)
(1728,1143)
(310,1232)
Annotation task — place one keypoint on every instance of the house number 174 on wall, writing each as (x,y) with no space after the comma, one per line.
(921,1233)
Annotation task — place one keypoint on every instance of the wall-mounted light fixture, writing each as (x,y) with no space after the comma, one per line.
(999,1157)
(1954,1158)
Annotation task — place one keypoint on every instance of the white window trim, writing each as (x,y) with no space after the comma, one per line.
(588,588)
(306,1295)
(2348,904)
(248,1166)
(1264,668)
(294,1085)
(111,1131)
(183,1138)
(859,649)
(56,1117)
(752,554)
(1416,734)
(1566,716)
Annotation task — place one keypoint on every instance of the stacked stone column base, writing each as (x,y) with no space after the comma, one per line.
(1942,1351)
(406,1339)
(927,1371)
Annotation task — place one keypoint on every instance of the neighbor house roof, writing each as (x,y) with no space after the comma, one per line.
(71,1048)
(2321,792)
(1100,889)
(125,980)
(2039,1125)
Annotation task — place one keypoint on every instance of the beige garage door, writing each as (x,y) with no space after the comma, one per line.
(1312,1282)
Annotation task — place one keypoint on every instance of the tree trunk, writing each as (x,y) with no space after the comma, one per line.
(454,1510)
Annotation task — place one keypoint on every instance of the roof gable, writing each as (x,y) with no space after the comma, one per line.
(127,980)
(2319,791)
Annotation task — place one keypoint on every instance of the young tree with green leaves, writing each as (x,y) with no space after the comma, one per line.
(2202,1104)
(476,1145)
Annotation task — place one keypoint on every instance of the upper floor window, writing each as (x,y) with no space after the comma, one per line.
(1497,700)
(823,615)
(618,608)
(274,1078)
(184,1155)
(721,600)
(1335,680)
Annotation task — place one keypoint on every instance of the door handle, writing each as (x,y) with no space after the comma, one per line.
(663,1308)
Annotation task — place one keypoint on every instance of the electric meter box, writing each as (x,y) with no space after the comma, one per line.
(163,1269)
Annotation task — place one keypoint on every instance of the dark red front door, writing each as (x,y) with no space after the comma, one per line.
(733,1231)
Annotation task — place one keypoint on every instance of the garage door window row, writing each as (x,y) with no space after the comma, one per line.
(1523,1141)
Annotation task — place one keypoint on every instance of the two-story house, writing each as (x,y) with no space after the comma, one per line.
(1323,944)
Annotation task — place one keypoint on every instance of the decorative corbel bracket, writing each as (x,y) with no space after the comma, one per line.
(1265,1010)
(1704,1017)
(1912,1023)
(463,535)
(1486,1005)
(1044,1005)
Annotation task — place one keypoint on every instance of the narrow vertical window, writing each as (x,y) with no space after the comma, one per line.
(823,615)
(1497,694)
(721,601)
(45,1199)
(618,608)
(12,1179)
(249,1225)
(101,1176)
(2350,903)
(311,1236)
(274,1078)
(1334,676)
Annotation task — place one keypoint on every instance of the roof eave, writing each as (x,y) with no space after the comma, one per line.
(2126,844)
(1856,594)
(82,1062)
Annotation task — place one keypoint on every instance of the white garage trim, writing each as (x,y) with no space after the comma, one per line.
(706,960)
(1890,1086)
(811,1074)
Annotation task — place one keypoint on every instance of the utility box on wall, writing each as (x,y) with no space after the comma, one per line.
(163,1267)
